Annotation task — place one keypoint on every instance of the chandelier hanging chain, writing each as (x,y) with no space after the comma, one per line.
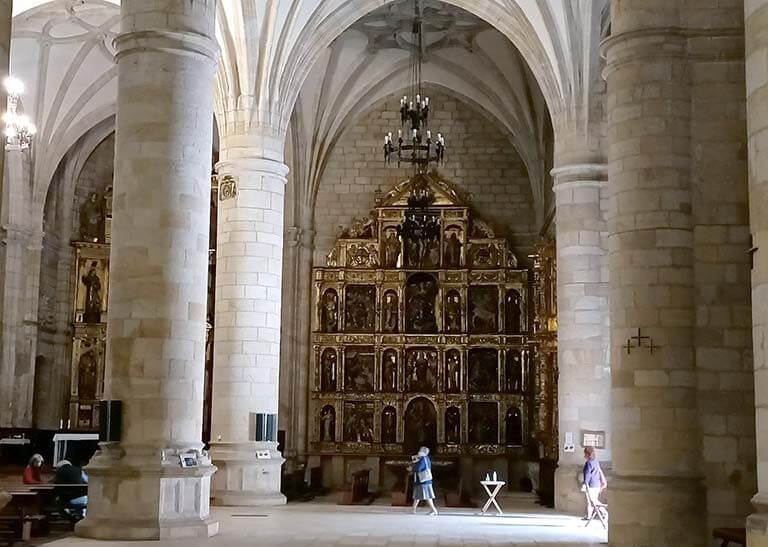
(416,146)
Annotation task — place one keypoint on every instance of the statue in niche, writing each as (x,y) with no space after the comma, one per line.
(330,312)
(87,374)
(483,423)
(512,312)
(514,372)
(92,284)
(328,424)
(453,312)
(389,425)
(92,219)
(328,379)
(422,365)
(360,308)
(391,312)
(431,258)
(452,372)
(453,251)
(421,293)
(483,309)
(452,425)
(392,249)
(421,235)
(483,371)
(389,372)
(514,427)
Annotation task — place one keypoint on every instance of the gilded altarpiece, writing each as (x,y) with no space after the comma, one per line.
(426,334)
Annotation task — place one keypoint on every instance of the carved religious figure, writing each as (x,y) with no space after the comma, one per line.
(420,304)
(483,423)
(512,312)
(453,312)
(389,425)
(328,368)
(330,312)
(87,375)
(452,372)
(392,249)
(92,219)
(453,251)
(514,372)
(422,365)
(514,427)
(389,371)
(452,425)
(420,425)
(391,312)
(327,424)
(92,283)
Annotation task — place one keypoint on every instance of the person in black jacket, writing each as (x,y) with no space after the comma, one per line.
(72,500)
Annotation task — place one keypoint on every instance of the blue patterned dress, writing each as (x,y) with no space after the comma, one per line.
(422,490)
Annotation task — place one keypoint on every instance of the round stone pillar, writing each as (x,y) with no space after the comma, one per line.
(246,362)
(582,303)
(140,486)
(756,35)
(656,495)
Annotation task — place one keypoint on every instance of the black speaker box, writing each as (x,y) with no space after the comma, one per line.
(110,420)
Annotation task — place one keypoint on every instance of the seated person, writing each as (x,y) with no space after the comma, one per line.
(32,470)
(72,500)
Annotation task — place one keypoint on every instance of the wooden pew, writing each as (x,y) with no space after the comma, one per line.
(737,536)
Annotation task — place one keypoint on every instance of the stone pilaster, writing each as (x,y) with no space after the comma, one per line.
(582,300)
(656,493)
(158,287)
(249,263)
(6,17)
(756,34)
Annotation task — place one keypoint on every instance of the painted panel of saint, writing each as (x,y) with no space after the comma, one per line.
(513,372)
(360,308)
(390,312)
(420,425)
(452,371)
(420,296)
(358,422)
(513,312)
(92,290)
(389,425)
(483,423)
(483,309)
(453,425)
(421,370)
(389,371)
(328,424)
(483,370)
(328,370)
(359,369)
(329,311)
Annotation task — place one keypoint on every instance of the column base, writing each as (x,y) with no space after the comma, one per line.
(242,478)
(657,512)
(149,497)
(568,495)
(757,523)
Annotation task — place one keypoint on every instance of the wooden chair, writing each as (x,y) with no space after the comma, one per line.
(599,510)
(358,494)
(737,536)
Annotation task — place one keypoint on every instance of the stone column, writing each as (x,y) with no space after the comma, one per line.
(6,18)
(656,495)
(756,34)
(582,301)
(138,487)
(246,365)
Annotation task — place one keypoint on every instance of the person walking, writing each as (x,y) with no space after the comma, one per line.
(422,480)
(594,479)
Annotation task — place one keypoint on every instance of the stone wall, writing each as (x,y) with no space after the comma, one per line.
(480,160)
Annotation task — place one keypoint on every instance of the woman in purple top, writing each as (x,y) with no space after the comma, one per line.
(594,480)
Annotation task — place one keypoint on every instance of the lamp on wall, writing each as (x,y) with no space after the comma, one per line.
(19,129)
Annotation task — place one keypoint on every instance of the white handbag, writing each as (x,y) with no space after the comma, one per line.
(425,475)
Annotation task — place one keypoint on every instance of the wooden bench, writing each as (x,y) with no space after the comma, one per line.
(737,536)
(18,517)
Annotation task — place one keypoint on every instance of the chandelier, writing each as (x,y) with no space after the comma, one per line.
(415,143)
(19,130)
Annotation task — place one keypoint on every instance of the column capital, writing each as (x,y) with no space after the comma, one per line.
(580,175)
(245,125)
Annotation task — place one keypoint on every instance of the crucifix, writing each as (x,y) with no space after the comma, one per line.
(639,338)
(628,346)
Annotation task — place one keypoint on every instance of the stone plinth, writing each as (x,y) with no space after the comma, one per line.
(243,479)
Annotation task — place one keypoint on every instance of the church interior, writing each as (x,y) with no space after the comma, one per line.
(257,255)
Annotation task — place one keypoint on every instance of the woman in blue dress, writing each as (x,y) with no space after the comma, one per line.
(422,480)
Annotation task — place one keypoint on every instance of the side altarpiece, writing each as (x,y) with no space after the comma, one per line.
(428,332)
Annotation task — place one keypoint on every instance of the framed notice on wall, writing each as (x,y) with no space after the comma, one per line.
(593,438)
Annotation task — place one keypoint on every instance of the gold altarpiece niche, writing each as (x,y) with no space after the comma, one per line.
(89,316)
(424,334)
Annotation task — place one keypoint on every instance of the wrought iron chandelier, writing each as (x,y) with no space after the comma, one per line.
(19,130)
(415,143)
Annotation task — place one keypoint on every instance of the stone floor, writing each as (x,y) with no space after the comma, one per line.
(325,524)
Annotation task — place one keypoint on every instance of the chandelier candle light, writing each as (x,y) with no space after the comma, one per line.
(19,130)
(420,149)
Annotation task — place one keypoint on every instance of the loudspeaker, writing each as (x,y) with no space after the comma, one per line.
(266,427)
(110,420)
